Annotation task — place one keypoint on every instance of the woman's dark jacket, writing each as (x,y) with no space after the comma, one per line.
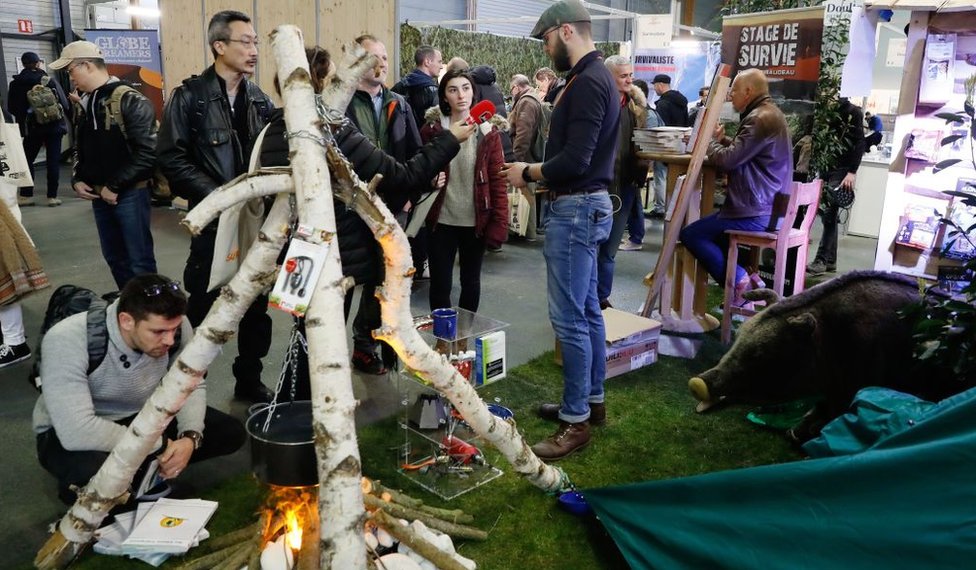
(358,250)
(490,192)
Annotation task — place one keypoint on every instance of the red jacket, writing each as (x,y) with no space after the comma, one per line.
(490,191)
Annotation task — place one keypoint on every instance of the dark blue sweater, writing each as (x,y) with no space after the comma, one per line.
(583,133)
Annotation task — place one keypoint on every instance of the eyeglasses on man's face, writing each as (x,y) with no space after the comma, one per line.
(248,43)
(71,68)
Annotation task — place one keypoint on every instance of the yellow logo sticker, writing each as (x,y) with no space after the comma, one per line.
(170,522)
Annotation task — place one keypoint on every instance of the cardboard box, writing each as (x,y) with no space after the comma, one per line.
(489,359)
(632,342)
(623,359)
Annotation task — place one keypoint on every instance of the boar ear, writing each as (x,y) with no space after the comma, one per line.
(803,322)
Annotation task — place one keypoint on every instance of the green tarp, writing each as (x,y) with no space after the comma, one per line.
(909,501)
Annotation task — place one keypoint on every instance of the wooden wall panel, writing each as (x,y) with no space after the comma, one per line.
(341,21)
(269,16)
(183,26)
(183,36)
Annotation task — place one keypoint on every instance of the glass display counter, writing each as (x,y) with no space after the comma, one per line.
(440,452)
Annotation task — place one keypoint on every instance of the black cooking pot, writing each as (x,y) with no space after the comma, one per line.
(284,454)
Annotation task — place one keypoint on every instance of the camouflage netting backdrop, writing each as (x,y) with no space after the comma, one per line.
(507,55)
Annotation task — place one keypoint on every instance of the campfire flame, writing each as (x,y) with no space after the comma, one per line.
(293,534)
(292,510)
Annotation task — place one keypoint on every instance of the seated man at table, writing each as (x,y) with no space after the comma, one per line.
(81,415)
(759,164)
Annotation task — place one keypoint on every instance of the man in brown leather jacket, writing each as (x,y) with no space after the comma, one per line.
(759,164)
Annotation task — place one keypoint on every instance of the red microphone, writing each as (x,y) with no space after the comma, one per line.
(481,112)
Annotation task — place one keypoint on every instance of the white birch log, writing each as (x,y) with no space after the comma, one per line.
(110,485)
(262,182)
(398,331)
(354,65)
(333,404)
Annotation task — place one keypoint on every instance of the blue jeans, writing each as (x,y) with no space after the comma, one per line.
(605,260)
(123,230)
(576,225)
(707,241)
(660,186)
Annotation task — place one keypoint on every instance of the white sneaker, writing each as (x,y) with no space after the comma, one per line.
(631,246)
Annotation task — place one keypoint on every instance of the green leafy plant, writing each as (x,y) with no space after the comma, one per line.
(944,327)
(828,140)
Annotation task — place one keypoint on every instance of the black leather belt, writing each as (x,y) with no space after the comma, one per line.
(559,193)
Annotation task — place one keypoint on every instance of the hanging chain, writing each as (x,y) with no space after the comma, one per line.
(297,347)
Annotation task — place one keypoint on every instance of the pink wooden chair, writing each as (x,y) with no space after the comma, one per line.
(786,238)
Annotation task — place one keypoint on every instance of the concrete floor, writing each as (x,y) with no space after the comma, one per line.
(513,291)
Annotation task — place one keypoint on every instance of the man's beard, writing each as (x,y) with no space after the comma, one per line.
(560,56)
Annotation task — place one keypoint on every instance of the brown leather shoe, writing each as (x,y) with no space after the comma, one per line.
(598,413)
(567,439)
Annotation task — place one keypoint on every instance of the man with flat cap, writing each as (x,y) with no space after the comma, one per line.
(671,104)
(578,169)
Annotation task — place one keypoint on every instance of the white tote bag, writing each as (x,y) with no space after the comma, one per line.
(518,212)
(237,229)
(14,168)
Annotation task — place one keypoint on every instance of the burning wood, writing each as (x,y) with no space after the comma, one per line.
(287,535)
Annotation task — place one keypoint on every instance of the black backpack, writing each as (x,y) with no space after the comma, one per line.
(68,300)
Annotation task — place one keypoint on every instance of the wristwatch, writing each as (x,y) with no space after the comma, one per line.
(525,174)
(195,436)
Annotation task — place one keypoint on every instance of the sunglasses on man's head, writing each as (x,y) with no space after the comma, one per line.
(157,289)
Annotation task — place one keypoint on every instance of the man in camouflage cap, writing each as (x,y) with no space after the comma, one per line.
(579,219)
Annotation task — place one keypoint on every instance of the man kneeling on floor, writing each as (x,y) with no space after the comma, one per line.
(82,415)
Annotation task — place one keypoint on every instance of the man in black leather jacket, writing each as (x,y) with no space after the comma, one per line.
(204,142)
(115,146)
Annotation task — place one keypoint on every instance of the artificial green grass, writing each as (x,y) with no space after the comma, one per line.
(652,433)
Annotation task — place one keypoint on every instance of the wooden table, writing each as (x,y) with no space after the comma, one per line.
(682,300)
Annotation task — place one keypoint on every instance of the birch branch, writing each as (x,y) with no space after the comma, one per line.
(110,485)
(263,182)
(341,508)
(454,529)
(355,64)
(398,331)
(406,535)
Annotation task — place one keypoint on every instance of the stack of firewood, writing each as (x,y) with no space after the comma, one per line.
(388,511)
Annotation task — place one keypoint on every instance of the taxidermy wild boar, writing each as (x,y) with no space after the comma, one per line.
(830,340)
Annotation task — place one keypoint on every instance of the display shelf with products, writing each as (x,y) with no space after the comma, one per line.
(440,452)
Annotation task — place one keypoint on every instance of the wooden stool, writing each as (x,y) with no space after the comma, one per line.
(788,236)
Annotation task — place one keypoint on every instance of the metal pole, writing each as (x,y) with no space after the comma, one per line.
(64,7)
(3,73)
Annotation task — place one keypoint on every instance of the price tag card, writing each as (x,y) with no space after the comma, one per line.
(299,273)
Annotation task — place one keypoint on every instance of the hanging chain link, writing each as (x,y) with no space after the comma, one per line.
(297,348)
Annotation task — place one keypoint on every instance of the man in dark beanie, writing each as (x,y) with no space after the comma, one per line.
(41,115)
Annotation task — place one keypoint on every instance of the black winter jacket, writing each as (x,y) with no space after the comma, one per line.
(20,108)
(358,250)
(198,154)
(673,108)
(485,87)
(106,157)
(420,90)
